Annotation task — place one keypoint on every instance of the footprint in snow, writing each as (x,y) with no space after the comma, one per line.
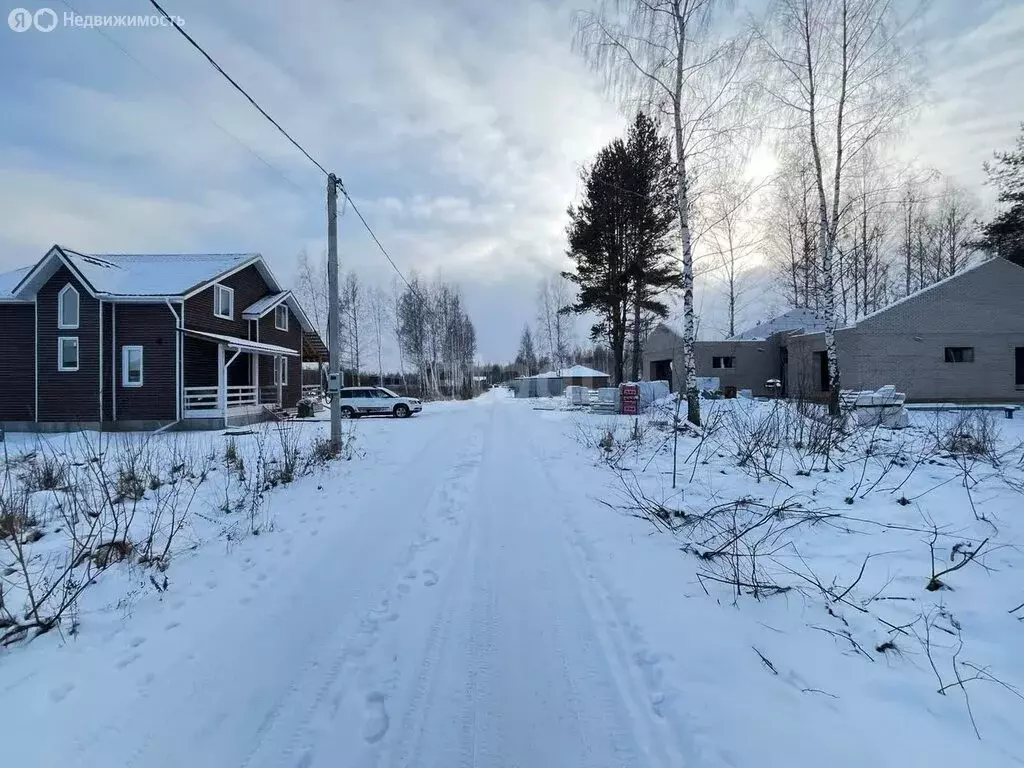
(429,578)
(377,721)
(60,692)
(135,642)
(173,625)
(128,660)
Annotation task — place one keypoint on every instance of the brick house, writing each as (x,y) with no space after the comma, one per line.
(960,339)
(141,341)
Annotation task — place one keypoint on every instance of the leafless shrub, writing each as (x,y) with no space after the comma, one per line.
(961,554)
(45,471)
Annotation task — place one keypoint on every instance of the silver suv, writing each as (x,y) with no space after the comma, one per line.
(376,401)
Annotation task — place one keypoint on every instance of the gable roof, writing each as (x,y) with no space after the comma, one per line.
(981,265)
(795,320)
(133,275)
(154,274)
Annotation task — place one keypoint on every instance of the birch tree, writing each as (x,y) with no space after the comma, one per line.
(667,54)
(311,290)
(552,323)
(732,241)
(843,76)
(377,304)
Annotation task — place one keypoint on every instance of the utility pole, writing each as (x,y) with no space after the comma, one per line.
(334,377)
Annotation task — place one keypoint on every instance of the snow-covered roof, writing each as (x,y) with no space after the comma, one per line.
(794,320)
(244,345)
(130,275)
(578,371)
(574,372)
(10,279)
(264,305)
(149,274)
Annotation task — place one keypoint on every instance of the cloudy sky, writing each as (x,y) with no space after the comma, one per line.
(458,125)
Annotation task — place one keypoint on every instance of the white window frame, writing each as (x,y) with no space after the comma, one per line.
(60,353)
(61,321)
(281,371)
(278,314)
(126,352)
(722,359)
(217,290)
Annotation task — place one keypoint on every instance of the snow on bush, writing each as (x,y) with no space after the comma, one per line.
(902,548)
(74,506)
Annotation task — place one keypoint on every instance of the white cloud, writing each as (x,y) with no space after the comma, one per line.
(460,128)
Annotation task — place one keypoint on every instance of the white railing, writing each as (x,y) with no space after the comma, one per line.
(312,391)
(202,398)
(241,396)
(208,399)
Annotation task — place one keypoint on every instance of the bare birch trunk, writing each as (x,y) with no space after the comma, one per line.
(683,203)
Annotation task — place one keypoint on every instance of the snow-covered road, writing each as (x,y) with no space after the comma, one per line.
(433,604)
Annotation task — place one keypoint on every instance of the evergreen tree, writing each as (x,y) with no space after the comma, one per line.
(1004,235)
(619,240)
(651,270)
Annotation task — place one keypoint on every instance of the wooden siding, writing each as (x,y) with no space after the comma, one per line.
(248,285)
(109,367)
(68,395)
(150,326)
(290,339)
(200,366)
(17,361)
(292,391)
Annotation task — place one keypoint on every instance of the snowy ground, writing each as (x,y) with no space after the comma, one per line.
(475,588)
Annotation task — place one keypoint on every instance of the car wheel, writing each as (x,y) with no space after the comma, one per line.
(347,412)
(401,411)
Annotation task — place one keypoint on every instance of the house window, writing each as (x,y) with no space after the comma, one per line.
(67,307)
(131,366)
(959,354)
(281,317)
(224,302)
(281,370)
(67,353)
(723,362)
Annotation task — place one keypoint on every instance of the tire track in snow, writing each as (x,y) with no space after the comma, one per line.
(352,684)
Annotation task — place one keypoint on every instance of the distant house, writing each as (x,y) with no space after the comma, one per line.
(139,341)
(553,383)
(960,339)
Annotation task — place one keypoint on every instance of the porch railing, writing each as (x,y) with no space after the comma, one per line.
(208,398)
(202,398)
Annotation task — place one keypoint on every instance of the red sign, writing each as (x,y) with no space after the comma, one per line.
(629,399)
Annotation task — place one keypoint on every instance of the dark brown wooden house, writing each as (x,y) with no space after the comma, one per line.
(141,341)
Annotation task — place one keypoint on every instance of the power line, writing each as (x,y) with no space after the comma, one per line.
(378,242)
(287,135)
(192,104)
(238,88)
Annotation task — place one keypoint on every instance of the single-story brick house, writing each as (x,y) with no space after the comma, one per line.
(958,340)
(142,341)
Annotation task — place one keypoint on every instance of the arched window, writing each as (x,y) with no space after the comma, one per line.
(67,307)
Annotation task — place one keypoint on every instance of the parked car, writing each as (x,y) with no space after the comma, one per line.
(376,401)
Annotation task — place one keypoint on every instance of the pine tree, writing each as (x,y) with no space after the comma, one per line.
(651,269)
(619,240)
(1004,235)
